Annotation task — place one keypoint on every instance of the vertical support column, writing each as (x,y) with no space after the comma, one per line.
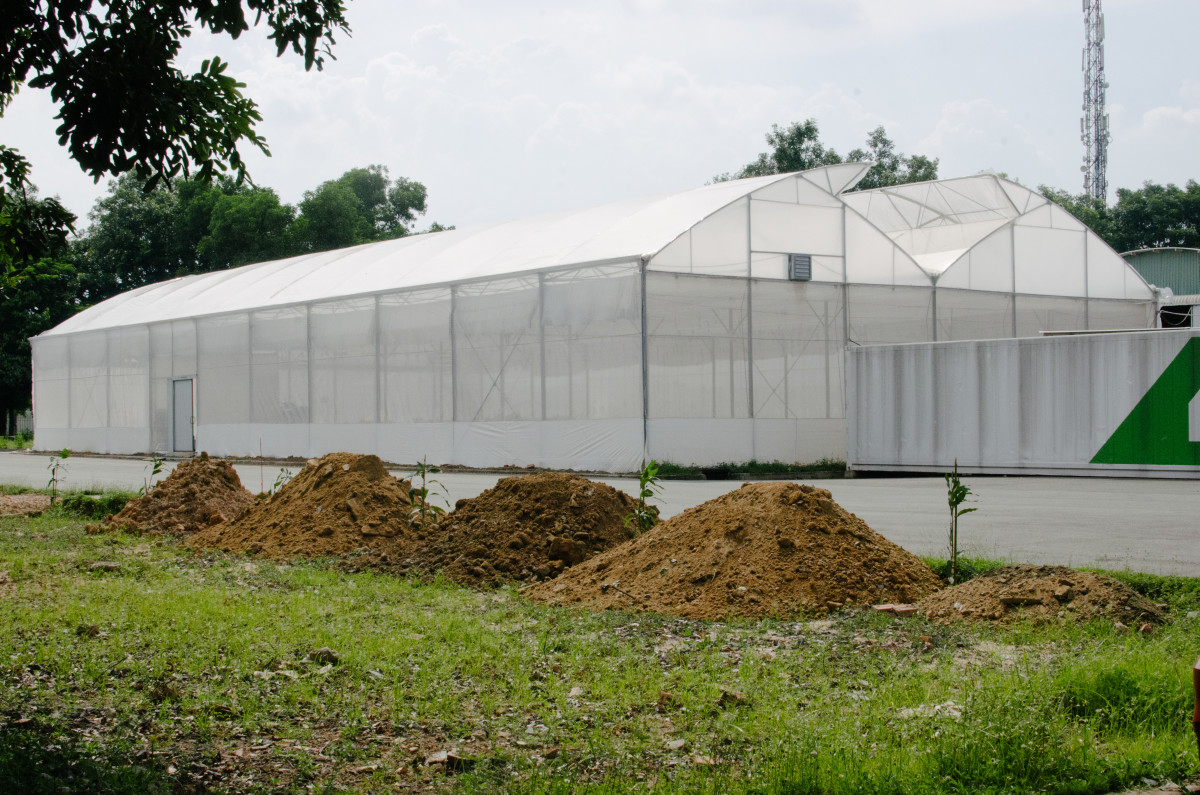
(108,372)
(750,334)
(453,359)
(71,380)
(542,337)
(933,307)
(308,360)
(1087,295)
(1012,246)
(250,413)
(645,368)
(378,366)
(846,285)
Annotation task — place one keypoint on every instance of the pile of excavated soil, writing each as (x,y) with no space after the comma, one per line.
(526,528)
(199,493)
(767,549)
(23,504)
(334,506)
(1040,593)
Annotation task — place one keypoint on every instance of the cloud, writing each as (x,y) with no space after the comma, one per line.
(978,135)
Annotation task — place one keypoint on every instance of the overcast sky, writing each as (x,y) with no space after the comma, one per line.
(511,109)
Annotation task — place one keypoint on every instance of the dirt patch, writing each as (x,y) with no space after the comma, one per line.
(23,504)
(199,493)
(765,549)
(336,505)
(526,528)
(1041,593)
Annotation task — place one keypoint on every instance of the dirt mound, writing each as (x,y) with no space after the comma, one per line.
(765,549)
(525,528)
(335,505)
(23,504)
(199,493)
(1040,593)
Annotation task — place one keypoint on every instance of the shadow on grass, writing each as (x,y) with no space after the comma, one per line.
(36,758)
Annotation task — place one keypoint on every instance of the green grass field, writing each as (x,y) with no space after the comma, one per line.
(164,671)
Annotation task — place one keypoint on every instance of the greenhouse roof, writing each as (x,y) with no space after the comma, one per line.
(910,234)
(621,231)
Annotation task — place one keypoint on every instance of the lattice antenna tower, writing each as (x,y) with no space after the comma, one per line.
(1093,127)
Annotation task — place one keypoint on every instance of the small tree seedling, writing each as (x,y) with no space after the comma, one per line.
(420,496)
(956,495)
(644,516)
(58,472)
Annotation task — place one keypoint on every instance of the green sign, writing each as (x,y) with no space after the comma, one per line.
(1156,431)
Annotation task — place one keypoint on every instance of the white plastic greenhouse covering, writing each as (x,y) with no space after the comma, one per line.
(662,327)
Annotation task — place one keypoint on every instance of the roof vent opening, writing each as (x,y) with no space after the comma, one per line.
(800,267)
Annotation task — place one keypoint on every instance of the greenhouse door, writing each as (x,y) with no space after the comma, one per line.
(182,427)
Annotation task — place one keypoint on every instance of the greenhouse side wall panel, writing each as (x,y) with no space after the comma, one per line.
(1086,404)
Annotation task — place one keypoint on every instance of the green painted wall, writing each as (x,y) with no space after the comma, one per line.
(1156,431)
(1176,268)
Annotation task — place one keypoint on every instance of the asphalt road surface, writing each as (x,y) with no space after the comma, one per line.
(1115,523)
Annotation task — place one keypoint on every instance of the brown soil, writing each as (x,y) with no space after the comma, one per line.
(334,506)
(525,528)
(23,504)
(765,549)
(1041,593)
(201,492)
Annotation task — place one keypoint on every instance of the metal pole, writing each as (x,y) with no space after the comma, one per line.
(645,369)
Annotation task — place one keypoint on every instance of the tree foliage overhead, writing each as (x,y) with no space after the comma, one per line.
(1153,216)
(38,291)
(798,147)
(139,236)
(123,103)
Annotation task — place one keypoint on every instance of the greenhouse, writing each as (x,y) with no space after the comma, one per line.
(696,327)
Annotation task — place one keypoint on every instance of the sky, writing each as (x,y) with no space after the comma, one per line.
(512,109)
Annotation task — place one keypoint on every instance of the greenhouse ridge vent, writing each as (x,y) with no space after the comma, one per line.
(695,327)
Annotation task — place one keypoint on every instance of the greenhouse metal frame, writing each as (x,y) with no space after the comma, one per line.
(695,327)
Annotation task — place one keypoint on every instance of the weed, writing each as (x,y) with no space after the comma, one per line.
(420,496)
(281,480)
(643,517)
(956,495)
(21,441)
(58,472)
(148,484)
(95,506)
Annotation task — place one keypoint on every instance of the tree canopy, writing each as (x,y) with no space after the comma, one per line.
(39,290)
(124,105)
(1151,217)
(138,236)
(798,147)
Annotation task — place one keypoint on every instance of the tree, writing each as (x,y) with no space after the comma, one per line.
(1157,216)
(798,147)
(38,290)
(245,227)
(131,241)
(1151,217)
(123,104)
(361,206)
(889,167)
(1091,211)
(329,218)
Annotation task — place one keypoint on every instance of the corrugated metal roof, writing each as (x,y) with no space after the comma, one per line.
(1176,268)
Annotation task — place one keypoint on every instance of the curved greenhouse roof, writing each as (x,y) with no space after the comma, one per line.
(981,233)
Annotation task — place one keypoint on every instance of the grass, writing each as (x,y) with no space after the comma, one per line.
(19,442)
(174,672)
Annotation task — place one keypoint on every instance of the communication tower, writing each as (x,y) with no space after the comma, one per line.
(1093,127)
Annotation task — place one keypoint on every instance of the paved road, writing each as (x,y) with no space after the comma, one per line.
(1116,523)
